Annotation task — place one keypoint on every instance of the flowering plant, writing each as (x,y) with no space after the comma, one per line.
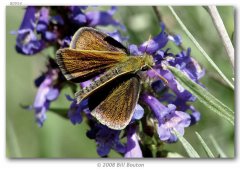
(163,113)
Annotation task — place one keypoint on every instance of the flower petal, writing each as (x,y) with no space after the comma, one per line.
(164,134)
(138,112)
(52,94)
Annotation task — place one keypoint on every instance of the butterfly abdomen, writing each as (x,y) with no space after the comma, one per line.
(101,81)
(131,66)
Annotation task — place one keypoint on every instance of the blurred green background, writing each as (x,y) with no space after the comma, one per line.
(59,138)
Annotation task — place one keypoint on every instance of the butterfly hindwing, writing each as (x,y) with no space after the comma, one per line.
(114,105)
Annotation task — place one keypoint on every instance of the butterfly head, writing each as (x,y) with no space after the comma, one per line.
(148,61)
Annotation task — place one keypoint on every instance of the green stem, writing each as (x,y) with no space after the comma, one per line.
(222,32)
(200,48)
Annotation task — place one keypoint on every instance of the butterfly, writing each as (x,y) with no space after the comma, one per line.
(112,98)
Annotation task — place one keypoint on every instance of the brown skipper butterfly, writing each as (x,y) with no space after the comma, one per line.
(112,98)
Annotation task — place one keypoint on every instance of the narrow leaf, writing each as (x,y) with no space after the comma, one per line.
(217,147)
(174,155)
(187,146)
(206,148)
(203,95)
(200,48)
(60,112)
(222,32)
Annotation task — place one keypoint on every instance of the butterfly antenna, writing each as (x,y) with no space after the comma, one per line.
(161,77)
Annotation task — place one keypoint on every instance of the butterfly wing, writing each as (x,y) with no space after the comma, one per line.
(114,105)
(87,38)
(90,53)
(81,65)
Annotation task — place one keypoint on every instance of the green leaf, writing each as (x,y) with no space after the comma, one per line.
(206,148)
(60,112)
(174,155)
(187,146)
(203,95)
(218,148)
(200,48)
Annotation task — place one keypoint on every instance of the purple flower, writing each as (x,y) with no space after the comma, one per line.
(133,149)
(106,139)
(158,86)
(138,112)
(102,18)
(29,18)
(45,94)
(77,16)
(169,119)
(65,42)
(49,85)
(177,39)
(57,19)
(134,50)
(153,45)
(27,43)
(195,115)
(74,112)
(172,84)
(43,24)
(188,65)
(182,105)
(48,26)
(43,20)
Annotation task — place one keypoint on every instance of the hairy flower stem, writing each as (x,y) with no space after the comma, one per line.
(222,32)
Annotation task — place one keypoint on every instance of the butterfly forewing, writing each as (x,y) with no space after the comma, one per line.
(90,53)
(81,65)
(114,104)
(88,38)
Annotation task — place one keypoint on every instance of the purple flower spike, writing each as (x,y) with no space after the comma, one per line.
(168,119)
(27,42)
(29,18)
(106,139)
(133,149)
(156,43)
(45,95)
